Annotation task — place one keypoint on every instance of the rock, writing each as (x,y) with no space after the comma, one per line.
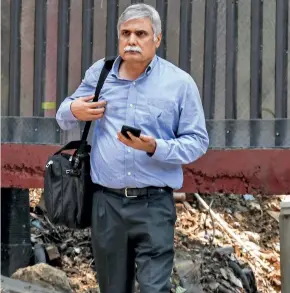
(233,279)
(218,234)
(224,273)
(238,216)
(254,237)
(208,223)
(179,196)
(78,260)
(274,207)
(214,285)
(183,269)
(221,251)
(252,246)
(66,260)
(233,196)
(179,207)
(9,285)
(248,197)
(236,225)
(254,206)
(77,250)
(274,215)
(45,276)
(226,284)
(277,247)
(228,211)
(241,208)
(188,273)
(63,246)
(52,252)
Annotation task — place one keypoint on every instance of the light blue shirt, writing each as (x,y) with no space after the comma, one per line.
(163,102)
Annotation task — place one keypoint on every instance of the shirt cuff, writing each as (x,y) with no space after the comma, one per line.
(161,151)
(66,113)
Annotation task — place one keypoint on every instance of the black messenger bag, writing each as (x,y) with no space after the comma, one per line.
(68,188)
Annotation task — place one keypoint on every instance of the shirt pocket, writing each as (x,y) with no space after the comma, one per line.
(114,115)
(161,112)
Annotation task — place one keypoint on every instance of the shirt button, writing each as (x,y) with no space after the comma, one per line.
(134,82)
(129,173)
(129,151)
(131,105)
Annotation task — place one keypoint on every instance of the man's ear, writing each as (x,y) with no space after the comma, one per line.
(158,41)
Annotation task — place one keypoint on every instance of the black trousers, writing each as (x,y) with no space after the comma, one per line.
(133,238)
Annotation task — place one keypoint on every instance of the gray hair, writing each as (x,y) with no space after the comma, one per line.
(141,10)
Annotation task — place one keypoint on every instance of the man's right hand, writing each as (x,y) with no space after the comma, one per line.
(85,110)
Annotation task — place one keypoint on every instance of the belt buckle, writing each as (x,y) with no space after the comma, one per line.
(129,196)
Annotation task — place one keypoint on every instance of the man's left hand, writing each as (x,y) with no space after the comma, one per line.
(143,143)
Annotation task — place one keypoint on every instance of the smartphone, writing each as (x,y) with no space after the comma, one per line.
(135,131)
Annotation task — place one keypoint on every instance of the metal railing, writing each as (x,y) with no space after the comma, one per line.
(236,51)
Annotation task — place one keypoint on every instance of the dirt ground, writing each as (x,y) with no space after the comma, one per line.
(254,221)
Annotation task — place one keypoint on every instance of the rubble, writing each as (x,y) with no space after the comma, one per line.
(259,233)
(207,258)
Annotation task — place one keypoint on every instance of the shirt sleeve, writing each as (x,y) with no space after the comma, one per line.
(192,140)
(64,117)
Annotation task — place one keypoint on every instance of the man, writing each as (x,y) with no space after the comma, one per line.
(133,207)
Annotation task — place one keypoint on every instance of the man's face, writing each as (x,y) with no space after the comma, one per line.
(138,33)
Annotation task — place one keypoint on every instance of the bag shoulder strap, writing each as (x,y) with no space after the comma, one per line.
(109,61)
(72,145)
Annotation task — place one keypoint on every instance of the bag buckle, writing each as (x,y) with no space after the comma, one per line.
(72,172)
(49,163)
(129,196)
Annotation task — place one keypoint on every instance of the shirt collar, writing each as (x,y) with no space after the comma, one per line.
(151,65)
(117,62)
(116,65)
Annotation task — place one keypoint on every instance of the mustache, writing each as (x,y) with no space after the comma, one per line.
(133,49)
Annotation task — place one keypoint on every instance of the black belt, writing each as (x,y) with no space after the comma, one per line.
(137,192)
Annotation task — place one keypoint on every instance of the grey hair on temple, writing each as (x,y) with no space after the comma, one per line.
(137,11)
